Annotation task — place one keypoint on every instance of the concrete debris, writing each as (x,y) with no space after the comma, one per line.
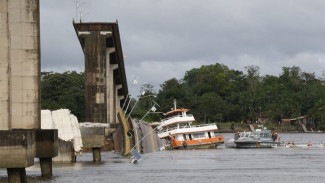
(90,124)
(46,119)
(66,123)
(77,142)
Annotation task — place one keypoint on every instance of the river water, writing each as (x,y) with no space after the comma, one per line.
(292,165)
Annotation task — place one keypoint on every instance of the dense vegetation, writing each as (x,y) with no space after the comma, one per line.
(214,93)
(64,90)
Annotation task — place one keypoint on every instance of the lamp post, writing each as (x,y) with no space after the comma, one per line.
(151,110)
(127,96)
(137,103)
(125,101)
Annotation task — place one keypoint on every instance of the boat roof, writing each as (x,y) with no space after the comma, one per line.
(177,110)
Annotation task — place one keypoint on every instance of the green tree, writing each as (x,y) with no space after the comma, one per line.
(217,93)
(64,90)
(144,102)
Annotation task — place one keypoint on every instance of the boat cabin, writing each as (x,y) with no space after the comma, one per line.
(177,112)
(194,136)
(257,134)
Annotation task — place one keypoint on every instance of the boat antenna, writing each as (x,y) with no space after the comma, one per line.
(175,104)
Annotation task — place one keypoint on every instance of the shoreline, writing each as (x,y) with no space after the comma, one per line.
(280,128)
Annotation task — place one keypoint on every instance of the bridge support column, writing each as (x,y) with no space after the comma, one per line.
(117,101)
(17,175)
(94,138)
(46,149)
(46,166)
(112,94)
(96,154)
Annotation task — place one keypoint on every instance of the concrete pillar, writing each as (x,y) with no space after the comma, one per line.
(120,97)
(23,64)
(19,64)
(112,91)
(103,54)
(20,101)
(46,167)
(117,100)
(4,66)
(94,49)
(109,79)
(96,154)
(17,151)
(17,175)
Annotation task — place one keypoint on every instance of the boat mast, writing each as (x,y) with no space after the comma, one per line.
(175,104)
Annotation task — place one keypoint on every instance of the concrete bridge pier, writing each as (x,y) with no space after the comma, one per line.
(21,139)
(17,175)
(17,151)
(46,148)
(96,154)
(46,167)
(106,85)
(93,137)
(18,148)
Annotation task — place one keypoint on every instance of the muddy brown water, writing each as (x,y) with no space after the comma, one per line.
(292,165)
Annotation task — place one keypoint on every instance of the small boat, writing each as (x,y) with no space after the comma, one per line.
(260,138)
(179,133)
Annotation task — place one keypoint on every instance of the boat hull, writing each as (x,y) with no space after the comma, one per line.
(199,146)
(211,143)
(255,144)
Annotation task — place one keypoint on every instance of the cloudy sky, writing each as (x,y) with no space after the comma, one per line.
(164,38)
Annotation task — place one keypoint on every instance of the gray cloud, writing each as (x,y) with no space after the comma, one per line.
(164,38)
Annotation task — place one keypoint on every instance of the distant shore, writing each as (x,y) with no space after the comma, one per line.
(230,127)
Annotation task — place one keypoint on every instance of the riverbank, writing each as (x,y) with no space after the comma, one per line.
(230,127)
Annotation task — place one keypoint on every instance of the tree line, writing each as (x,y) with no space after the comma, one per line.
(64,90)
(214,93)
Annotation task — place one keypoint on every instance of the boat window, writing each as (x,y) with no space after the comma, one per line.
(190,136)
(209,134)
(180,137)
(184,125)
(264,134)
(184,136)
(267,135)
(246,135)
(258,134)
(199,136)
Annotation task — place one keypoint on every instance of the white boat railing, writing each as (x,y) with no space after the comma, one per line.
(187,115)
(186,127)
(203,125)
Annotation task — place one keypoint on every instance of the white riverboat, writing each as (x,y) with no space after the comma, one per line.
(179,133)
